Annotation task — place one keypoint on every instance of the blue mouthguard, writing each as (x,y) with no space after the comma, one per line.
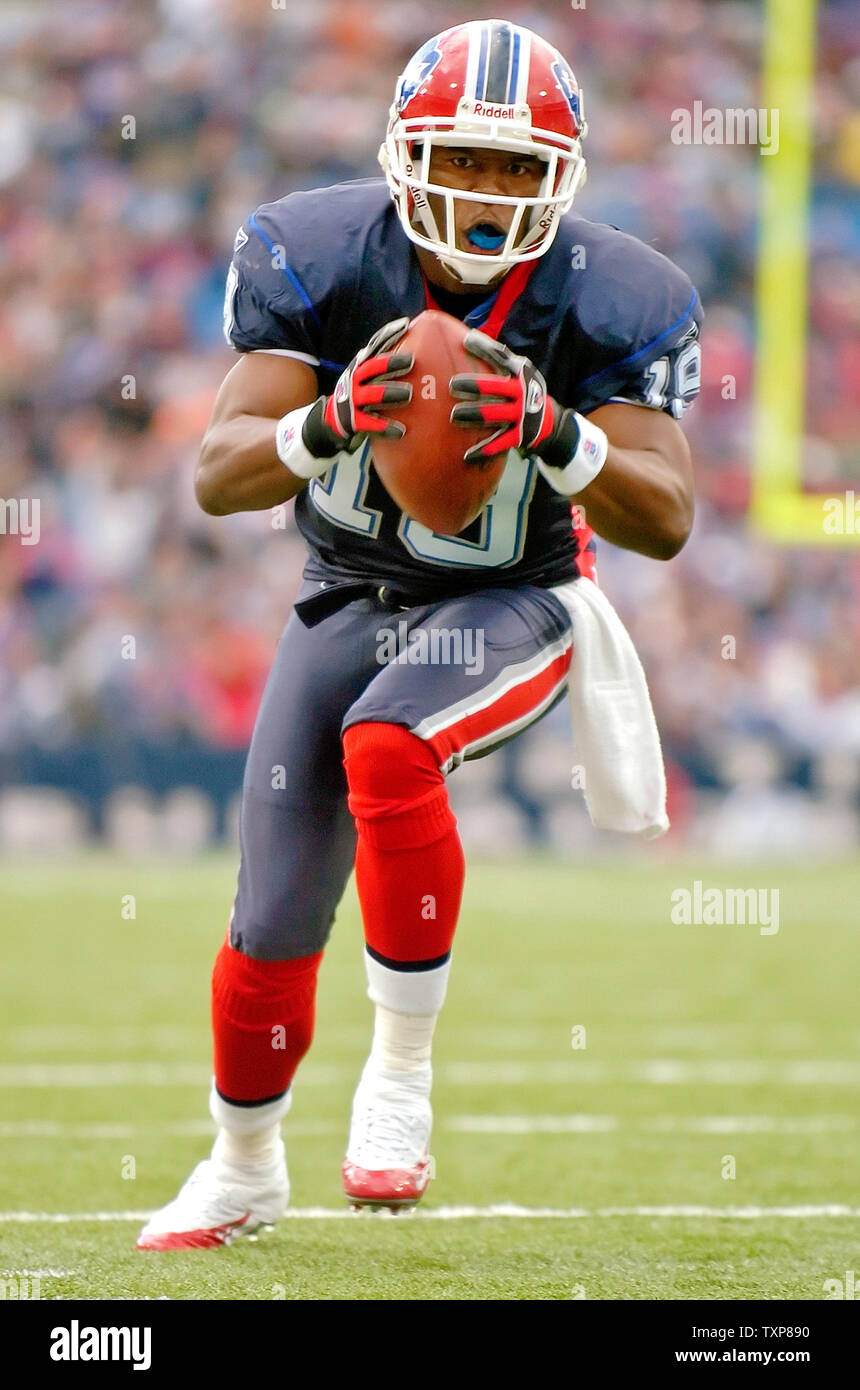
(487,241)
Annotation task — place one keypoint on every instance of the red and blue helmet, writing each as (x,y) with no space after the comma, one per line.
(486,84)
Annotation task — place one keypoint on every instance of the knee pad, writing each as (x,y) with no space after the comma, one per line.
(397,793)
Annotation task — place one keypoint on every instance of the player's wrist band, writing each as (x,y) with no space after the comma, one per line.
(291,448)
(580,449)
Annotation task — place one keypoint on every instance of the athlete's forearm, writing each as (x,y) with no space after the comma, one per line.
(640,501)
(250,460)
(239,469)
(642,496)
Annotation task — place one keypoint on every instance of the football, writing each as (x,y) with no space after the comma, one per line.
(425,472)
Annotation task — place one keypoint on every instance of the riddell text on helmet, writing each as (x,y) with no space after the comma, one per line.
(417,195)
(498,113)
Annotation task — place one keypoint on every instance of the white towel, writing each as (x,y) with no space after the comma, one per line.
(615,738)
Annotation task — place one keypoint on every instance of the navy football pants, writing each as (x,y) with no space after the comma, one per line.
(465,675)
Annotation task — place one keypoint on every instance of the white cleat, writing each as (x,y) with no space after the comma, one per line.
(387,1163)
(219,1203)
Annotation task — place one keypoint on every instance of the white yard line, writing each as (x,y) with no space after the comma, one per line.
(461,1213)
(757,1124)
(692,1124)
(462,1124)
(72,1075)
(657,1072)
(189,1129)
(483,1037)
(574,1070)
(532,1124)
(89,1037)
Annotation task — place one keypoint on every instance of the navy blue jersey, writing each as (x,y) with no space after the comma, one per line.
(603,316)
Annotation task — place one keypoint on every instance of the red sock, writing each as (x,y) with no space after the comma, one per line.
(409,864)
(262,1022)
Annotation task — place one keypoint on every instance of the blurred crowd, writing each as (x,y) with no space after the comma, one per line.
(136,136)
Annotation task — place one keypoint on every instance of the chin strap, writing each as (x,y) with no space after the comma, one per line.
(472,273)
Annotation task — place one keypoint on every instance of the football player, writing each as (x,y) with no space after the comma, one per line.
(595,334)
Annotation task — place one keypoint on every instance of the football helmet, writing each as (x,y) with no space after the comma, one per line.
(493,85)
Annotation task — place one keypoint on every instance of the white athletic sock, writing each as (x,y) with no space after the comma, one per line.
(407,991)
(402,1045)
(247,1133)
(234,1147)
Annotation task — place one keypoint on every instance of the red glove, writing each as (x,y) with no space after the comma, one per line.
(518,402)
(334,422)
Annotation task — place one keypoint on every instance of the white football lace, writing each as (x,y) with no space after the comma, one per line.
(212,1202)
(200,1194)
(390,1138)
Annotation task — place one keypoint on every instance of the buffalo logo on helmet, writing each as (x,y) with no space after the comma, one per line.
(420,66)
(566,83)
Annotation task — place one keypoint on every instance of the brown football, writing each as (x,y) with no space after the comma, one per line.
(425,471)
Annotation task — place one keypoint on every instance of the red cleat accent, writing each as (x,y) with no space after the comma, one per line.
(219,1203)
(387,1187)
(193,1240)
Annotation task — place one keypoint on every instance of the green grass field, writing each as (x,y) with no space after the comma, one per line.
(704,1044)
